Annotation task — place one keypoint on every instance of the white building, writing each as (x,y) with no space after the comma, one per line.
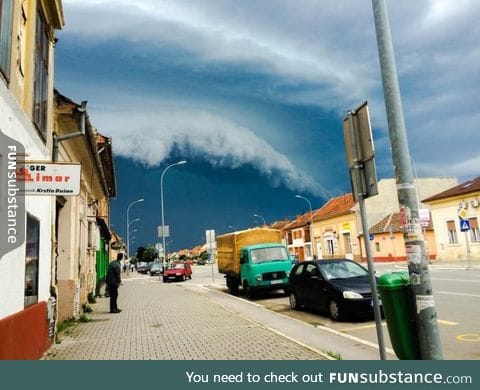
(26,93)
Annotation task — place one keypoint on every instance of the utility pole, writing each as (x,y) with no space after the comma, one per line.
(425,313)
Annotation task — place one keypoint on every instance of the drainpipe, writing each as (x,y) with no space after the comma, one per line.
(56,139)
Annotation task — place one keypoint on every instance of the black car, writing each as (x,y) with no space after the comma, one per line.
(339,286)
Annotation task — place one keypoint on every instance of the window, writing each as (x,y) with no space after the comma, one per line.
(289,238)
(312,270)
(306,235)
(41,76)
(452,232)
(377,247)
(31,260)
(263,255)
(5,36)
(474,231)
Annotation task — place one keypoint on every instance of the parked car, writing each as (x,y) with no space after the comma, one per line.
(177,271)
(339,286)
(155,269)
(144,269)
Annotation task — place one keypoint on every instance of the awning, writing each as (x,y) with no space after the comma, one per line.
(104,231)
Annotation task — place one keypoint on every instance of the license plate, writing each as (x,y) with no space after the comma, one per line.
(276,281)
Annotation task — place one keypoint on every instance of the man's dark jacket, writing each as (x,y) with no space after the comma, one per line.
(113,273)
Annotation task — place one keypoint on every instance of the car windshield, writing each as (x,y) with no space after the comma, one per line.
(261,255)
(342,270)
(156,265)
(177,266)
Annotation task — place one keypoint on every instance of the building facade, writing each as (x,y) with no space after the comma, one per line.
(455,238)
(82,235)
(27,38)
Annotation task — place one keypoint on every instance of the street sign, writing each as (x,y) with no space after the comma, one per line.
(371,237)
(210,236)
(462,213)
(464,225)
(360,152)
(163,231)
(53,179)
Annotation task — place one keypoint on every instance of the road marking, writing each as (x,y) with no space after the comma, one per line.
(449,323)
(457,280)
(461,294)
(469,337)
(443,322)
(344,335)
(360,327)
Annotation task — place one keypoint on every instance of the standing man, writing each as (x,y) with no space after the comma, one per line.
(113,281)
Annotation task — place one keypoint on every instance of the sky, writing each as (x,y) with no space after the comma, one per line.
(253,95)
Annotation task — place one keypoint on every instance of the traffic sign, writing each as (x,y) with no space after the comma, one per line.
(371,237)
(464,225)
(462,213)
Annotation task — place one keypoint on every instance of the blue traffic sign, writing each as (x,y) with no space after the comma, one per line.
(371,237)
(464,225)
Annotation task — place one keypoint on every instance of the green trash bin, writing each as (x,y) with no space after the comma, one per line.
(397,305)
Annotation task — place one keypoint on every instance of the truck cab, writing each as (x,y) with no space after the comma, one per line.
(264,267)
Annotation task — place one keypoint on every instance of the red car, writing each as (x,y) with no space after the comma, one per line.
(177,271)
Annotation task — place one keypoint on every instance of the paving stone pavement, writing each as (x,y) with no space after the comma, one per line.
(167,322)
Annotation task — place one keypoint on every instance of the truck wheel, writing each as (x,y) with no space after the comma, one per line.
(248,291)
(232,285)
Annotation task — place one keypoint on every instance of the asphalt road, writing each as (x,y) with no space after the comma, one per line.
(457,298)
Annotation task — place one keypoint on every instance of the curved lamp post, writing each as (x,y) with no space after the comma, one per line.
(128,223)
(311,224)
(259,216)
(163,213)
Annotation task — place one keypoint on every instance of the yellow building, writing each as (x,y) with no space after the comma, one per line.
(82,235)
(455,216)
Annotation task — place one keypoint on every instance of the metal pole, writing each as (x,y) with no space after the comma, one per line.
(128,224)
(263,219)
(164,263)
(314,254)
(426,315)
(468,249)
(360,193)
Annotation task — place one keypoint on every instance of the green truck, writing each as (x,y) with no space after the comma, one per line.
(254,259)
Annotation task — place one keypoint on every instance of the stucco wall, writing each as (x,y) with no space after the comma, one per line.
(18,126)
(448,211)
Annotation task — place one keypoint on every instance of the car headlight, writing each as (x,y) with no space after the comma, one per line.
(259,278)
(288,274)
(351,295)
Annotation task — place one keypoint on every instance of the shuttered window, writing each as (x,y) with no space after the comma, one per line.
(42,45)
(452,232)
(474,230)
(5,36)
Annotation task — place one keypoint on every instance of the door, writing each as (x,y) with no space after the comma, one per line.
(315,291)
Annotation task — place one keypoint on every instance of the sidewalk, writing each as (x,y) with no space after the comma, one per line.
(167,321)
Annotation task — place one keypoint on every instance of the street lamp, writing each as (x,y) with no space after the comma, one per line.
(128,223)
(163,212)
(232,227)
(311,225)
(259,216)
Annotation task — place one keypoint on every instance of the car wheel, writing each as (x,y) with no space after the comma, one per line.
(335,311)
(294,304)
(164,280)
